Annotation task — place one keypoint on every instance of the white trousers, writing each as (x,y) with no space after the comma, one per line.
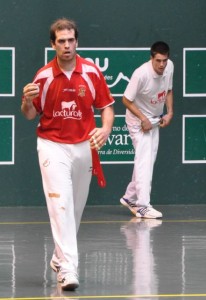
(66,175)
(146,146)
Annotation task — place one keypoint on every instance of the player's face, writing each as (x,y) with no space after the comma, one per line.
(159,62)
(65,45)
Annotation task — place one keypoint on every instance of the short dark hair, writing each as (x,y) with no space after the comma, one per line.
(61,24)
(161,48)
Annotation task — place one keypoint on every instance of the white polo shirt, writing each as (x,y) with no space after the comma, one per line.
(148,90)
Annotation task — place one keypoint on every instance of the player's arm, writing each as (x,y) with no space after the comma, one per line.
(99,136)
(166,119)
(145,123)
(30,91)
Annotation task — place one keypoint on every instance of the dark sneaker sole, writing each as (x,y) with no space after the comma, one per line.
(70,287)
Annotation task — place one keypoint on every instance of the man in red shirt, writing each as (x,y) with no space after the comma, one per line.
(64,94)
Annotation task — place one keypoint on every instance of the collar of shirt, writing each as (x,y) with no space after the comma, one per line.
(57,71)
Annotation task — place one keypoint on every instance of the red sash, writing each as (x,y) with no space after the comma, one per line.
(97,169)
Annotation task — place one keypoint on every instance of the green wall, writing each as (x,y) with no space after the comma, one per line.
(179,175)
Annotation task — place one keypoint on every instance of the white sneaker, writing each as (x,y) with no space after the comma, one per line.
(56,269)
(148,213)
(132,206)
(70,282)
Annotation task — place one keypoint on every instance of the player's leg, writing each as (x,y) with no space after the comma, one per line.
(130,197)
(81,177)
(81,172)
(145,157)
(142,168)
(55,167)
(146,146)
(130,192)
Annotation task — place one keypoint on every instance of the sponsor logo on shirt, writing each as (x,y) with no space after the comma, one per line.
(161,97)
(69,110)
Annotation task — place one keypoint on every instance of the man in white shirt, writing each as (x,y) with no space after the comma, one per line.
(149,90)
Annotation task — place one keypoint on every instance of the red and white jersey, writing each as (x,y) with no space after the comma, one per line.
(66,105)
(148,90)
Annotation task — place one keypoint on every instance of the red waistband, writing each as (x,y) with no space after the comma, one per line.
(97,169)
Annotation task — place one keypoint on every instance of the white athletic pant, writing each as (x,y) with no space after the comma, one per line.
(66,175)
(146,146)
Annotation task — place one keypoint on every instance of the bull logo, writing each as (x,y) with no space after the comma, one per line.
(70,105)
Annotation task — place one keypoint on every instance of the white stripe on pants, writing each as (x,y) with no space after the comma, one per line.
(66,175)
(146,147)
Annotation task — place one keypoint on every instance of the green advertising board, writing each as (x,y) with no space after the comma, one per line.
(7,73)
(6,140)
(194,75)
(118,148)
(194,137)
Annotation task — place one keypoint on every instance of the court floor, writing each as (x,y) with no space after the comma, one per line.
(120,256)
